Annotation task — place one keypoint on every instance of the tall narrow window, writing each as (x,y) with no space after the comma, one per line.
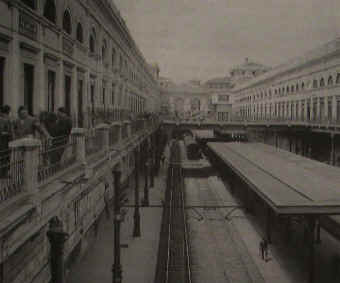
(113,94)
(29,87)
(80,104)
(2,73)
(338,79)
(330,81)
(92,98)
(322,82)
(67,26)
(68,94)
(113,56)
(92,41)
(50,11)
(104,50)
(103,98)
(50,90)
(80,33)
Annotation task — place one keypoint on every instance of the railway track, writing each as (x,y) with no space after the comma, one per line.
(173,264)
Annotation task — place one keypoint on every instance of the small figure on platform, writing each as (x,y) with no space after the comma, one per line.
(265,248)
(261,248)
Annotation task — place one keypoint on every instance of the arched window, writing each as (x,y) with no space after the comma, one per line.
(303,85)
(287,89)
(80,33)
(50,11)
(67,26)
(338,79)
(297,87)
(315,83)
(322,82)
(330,80)
(292,88)
(30,3)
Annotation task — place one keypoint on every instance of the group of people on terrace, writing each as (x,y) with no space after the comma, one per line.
(47,128)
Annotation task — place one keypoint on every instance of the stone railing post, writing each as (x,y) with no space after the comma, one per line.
(79,134)
(104,134)
(29,149)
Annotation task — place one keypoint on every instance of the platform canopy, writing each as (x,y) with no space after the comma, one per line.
(289,183)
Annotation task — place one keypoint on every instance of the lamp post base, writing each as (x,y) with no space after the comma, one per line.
(117,274)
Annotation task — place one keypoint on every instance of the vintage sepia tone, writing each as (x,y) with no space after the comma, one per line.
(163,141)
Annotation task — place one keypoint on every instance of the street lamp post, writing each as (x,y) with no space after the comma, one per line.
(136,217)
(152,168)
(116,268)
(146,189)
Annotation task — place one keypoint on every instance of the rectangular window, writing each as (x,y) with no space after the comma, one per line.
(80,104)
(329,109)
(92,98)
(103,98)
(2,74)
(50,90)
(28,87)
(338,109)
(113,94)
(68,94)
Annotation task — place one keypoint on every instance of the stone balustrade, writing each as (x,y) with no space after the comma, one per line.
(30,163)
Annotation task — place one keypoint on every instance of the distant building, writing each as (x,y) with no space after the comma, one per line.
(247,71)
(75,54)
(219,83)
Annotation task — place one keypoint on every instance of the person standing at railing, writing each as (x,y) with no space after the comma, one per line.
(27,125)
(49,121)
(6,135)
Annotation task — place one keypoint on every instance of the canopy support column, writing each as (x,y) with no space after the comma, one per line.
(311,243)
(268,225)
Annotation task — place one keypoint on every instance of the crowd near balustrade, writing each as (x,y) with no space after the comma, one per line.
(30,162)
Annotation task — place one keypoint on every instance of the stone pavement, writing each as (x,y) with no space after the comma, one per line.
(139,259)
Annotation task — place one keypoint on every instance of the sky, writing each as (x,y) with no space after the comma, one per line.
(202,39)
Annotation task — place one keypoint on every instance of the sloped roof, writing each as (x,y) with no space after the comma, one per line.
(250,65)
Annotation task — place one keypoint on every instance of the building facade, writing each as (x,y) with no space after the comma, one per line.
(305,89)
(76,54)
(80,55)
